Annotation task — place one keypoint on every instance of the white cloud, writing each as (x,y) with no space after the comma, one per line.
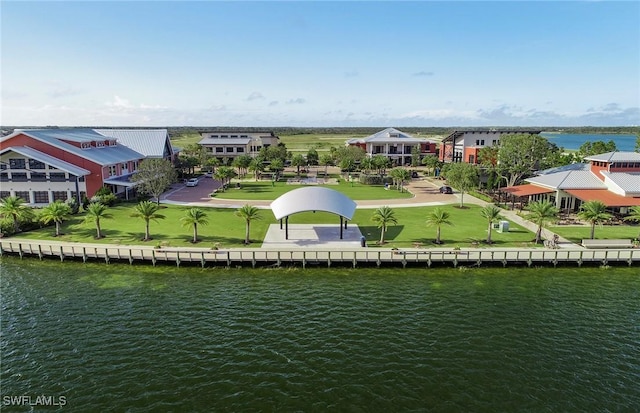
(254,96)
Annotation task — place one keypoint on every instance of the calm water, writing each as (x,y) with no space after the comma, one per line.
(143,339)
(573,141)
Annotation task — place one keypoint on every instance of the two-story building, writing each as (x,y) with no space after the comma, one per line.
(612,178)
(464,145)
(396,145)
(227,145)
(46,165)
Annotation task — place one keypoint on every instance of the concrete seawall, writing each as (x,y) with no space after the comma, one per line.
(260,257)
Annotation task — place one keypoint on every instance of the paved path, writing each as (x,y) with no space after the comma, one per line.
(425,193)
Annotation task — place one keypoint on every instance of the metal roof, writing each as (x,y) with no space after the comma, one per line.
(629,182)
(152,143)
(615,157)
(313,198)
(526,190)
(224,141)
(568,180)
(606,197)
(107,155)
(47,159)
(385,136)
(564,168)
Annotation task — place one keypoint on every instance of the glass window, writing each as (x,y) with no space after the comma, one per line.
(15,163)
(38,177)
(23,194)
(60,195)
(5,194)
(41,197)
(229,149)
(57,177)
(219,149)
(240,149)
(33,164)
(19,176)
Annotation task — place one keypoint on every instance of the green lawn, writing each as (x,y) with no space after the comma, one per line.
(228,230)
(577,233)
(263,190)
(321,142)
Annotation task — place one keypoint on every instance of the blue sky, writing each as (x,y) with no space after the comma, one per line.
(320,63)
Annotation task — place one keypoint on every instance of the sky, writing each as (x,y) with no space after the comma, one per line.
(320,64)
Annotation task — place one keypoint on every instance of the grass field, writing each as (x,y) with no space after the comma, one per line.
(577,233)
(228,230)
(262,190)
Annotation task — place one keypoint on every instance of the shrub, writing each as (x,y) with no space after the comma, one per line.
(73,204)
(375,179)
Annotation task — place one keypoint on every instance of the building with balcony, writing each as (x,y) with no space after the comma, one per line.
(464,145)
(396,145)
(227,145)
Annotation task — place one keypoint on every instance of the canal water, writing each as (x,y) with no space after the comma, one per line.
(573,141)
(147,339)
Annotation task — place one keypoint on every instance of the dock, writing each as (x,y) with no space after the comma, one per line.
(354,257)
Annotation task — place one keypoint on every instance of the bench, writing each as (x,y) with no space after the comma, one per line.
(607,243)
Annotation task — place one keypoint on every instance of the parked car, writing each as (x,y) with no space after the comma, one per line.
(446,190)
(414,174)
(192,182)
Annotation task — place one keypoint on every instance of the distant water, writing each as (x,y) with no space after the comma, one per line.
(573,141)
(143,339)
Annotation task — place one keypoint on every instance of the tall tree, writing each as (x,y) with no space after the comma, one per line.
(431,162)
(148,211)
(312,156)
(521,154)
(491,213)
(276,166)
(325,160)
(400,176)
(56,212)
(94,214)
(154,176)
(366,165)
(594,212)
(589,148)
(638,143)
(298,161)
(541,213)
(14,207)
(437,218)
(242,162)
(462,176)
(256,166)
(383,217)
(224,174)
(194,217)
(415,155)
(248,213)
(381,163)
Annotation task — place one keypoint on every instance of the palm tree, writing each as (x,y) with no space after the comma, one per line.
(14,207)
(383,217)
(491,213)
(195,217)
(594,212)
(325,160)
(438,218)
(541,213)
(95,212)
(401,175)
(147,211)
(634,214)
(56,212)
(248,213)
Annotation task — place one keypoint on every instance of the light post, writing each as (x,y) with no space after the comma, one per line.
(351,180)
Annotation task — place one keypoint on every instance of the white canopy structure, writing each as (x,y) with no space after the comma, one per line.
(313,198)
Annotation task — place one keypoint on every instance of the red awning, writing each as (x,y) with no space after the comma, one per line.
(605,196)
(526,190)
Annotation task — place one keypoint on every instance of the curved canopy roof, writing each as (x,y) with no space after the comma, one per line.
(313,198)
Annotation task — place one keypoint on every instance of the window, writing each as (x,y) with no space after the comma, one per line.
(219,149)
(16,163)
(112,143)
(85,145)
(24,195)
(3,166)
(33,164)
(60,196)
(229,149)
(100,144)
(234,136)
(57,177)
(5,194)
(41,197)
(38,177)
(240,149)
(479,142)
(112,170)
(19,177)
(4,177)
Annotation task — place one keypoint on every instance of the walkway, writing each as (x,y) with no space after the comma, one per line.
(425,193)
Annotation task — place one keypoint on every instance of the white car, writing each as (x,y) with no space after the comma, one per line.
(192,182)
